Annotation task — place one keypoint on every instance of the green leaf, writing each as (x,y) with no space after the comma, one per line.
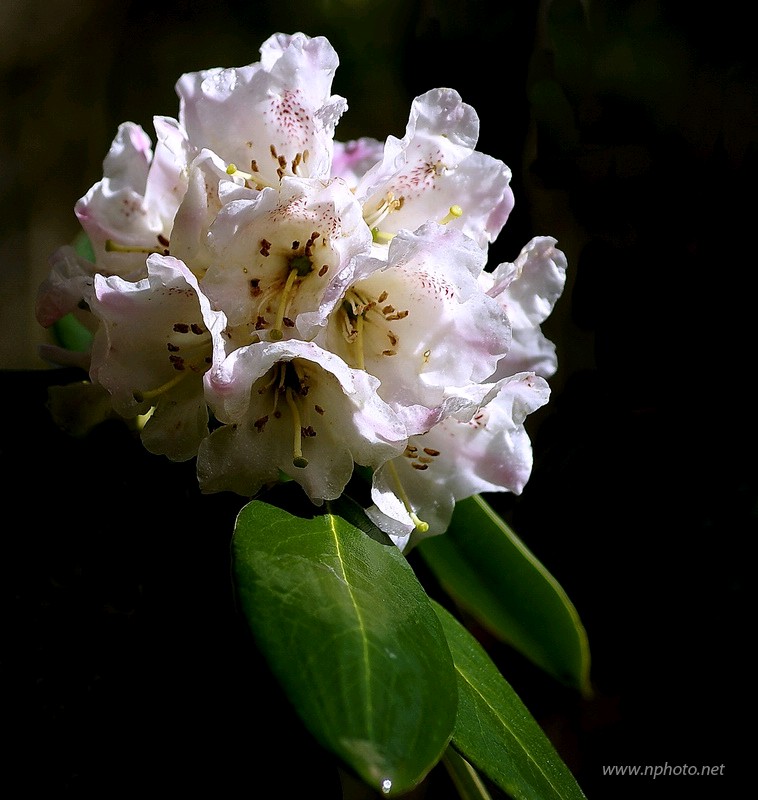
(495,731)
(83,246)
(353,639)
(71,334)
(492,575)
(467,782)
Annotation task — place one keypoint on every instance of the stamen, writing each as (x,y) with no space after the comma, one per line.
(276,331)
(420,525)
(232,170)
(114,247)
(358,343)
(454,213)
(387,205)
(354,308)
(140,397)
(297,451)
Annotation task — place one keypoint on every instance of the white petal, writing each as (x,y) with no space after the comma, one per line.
(351,160)
(529,288)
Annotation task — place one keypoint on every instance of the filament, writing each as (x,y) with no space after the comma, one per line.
(276,331)
(140,397)
(420,525)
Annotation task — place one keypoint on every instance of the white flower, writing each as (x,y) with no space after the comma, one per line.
(151,351)
(419,321)
(284,257)
(434,174)
(490,451)
(317,305)
(269,119)
(129,213)
(294,407)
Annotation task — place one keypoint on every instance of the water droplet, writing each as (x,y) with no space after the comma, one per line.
(386,786)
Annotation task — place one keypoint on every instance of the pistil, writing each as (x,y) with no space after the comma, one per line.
(297,450)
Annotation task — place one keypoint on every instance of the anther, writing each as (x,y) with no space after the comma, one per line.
(453,213)
(232,170)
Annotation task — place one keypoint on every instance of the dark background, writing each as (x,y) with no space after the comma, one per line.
(631,132)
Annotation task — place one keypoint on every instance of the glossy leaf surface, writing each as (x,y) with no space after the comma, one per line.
(491,574)
(495,731)
(353,639)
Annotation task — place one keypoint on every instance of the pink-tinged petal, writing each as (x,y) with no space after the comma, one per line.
(527,290)
(167,179)
(61,357)
(272,118)
(529,287)
(294,407)
(68,286)
(433,174)
(530,351)
(129,212)
(353,159)
(481,189)
(414,495)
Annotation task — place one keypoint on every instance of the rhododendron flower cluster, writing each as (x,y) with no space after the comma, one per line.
(270,301)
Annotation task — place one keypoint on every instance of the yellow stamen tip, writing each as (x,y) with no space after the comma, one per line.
(276,335)
(301,462)
(231,169)
(453,213)
(421,526)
